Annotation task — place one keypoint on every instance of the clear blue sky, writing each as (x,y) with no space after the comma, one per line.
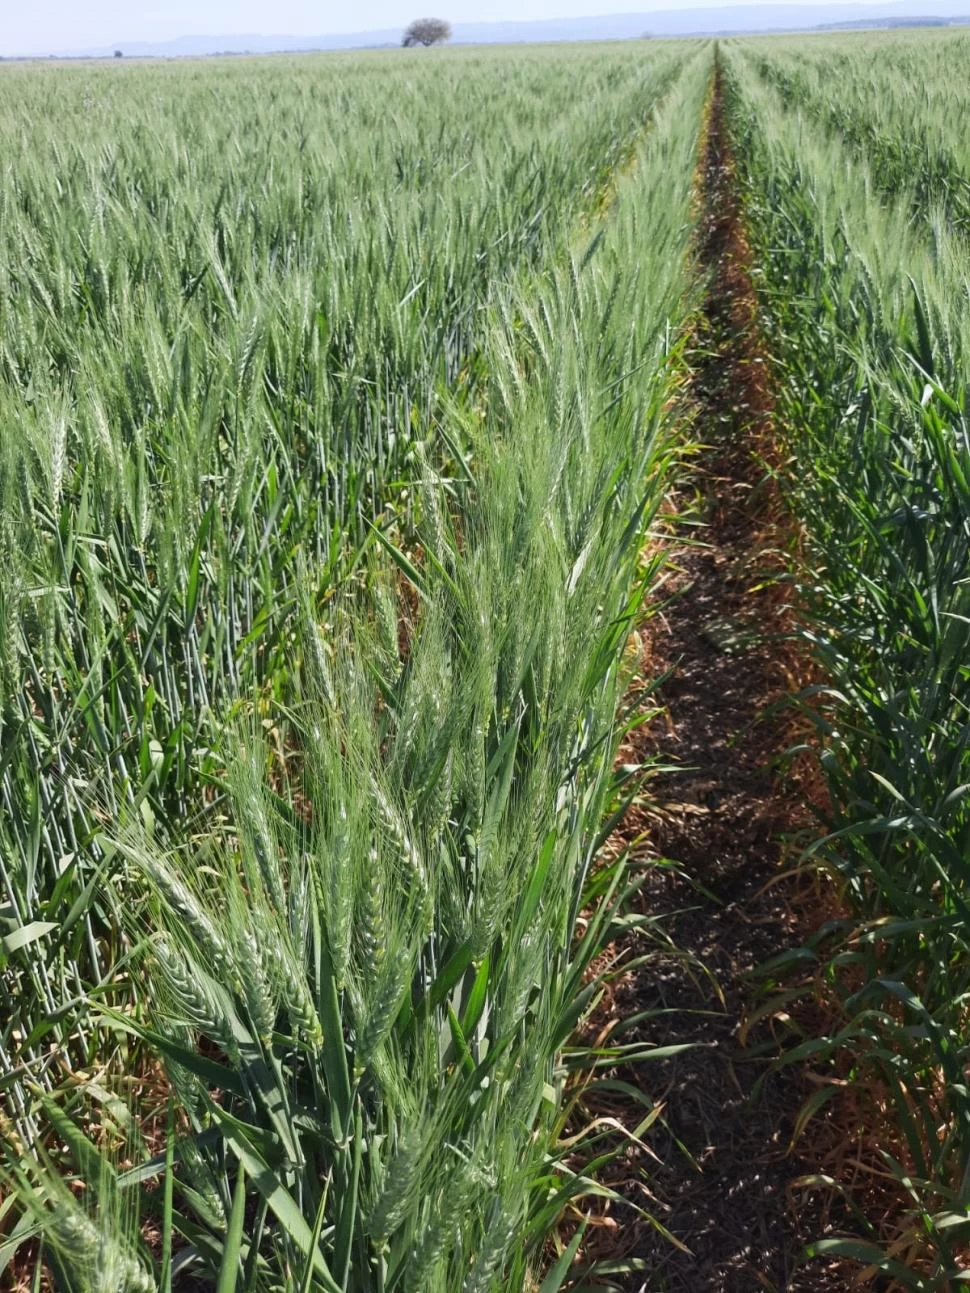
(39,26)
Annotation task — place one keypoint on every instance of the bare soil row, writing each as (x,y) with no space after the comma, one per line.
(719,1172)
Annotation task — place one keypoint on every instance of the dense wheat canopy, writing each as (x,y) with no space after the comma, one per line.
(320,532)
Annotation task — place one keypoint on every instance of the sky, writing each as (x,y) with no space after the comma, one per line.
(40,26)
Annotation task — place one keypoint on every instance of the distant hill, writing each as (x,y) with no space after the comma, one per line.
(858,24)
(731,19)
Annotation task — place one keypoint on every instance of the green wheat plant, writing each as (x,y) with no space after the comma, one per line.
(355,909)
(229,335)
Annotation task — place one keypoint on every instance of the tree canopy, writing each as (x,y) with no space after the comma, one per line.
(427,31)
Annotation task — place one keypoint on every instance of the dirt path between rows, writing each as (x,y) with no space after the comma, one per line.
(721,1179)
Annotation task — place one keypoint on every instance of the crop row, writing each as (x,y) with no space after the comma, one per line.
(869,332)
(229,333)
(326,528)
(900,114)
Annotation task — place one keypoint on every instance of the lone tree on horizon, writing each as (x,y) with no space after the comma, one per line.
(426,31)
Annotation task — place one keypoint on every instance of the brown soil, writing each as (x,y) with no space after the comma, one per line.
(718,1171)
